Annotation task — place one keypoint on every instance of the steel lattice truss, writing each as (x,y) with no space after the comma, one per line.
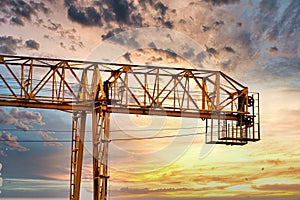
(98,88)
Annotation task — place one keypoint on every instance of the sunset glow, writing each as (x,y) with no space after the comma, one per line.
(255,42)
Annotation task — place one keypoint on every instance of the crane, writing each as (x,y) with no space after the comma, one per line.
(231,112)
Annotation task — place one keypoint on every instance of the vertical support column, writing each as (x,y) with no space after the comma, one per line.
(203,93)
(78,134)
(101,134)
(217,92)
(105,159)
(95,121)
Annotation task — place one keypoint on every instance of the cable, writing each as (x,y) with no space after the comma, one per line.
(69,131)
(111,140)
(156,137)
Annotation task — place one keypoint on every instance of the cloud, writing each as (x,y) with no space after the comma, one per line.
(32,44)
(27,116)
(189,53)
(152,45)
(273,49)
(22,120)
(127,57)
(212,51)
(9,44)
(122,10)
(222,2)
(20,11)
(39,6)
(52,26)
(229,49)
(16,21)
(10,141)
(278,187)
(21,126)
(48,139)
(161,8)
(87,16)
(6,119)
(145,191)
(114,14)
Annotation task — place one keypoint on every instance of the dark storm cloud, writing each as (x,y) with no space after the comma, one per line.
(161,8)
(9,44)
(211,50)
(69,2)
(32,44)
(127,57)
(273,49)
(110,10)
(22,9)
(17,21)
(40,6)
(53,26)
(121,9)
(152,45)
(239,24)
(17,12)
(6,50)
(168,24)
(171,54)
(205,28)
(189,53)
(119,13)
(143,3)
(222,2)
(111,33)
(229,49)
(217,23)
(127,39)
(88,16)
(108,35)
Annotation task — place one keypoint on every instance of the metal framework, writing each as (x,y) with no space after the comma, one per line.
(97,88)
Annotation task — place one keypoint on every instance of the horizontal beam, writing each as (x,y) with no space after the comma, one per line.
(17,59)
(44,105)
(188,114)
(138,111)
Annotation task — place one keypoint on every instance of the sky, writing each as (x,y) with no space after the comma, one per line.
(256,42)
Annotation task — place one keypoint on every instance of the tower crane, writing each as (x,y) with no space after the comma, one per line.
(231,112)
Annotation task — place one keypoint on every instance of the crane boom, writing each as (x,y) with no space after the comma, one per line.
(98,88)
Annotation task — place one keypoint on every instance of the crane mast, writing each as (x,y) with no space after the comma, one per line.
(97,88)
